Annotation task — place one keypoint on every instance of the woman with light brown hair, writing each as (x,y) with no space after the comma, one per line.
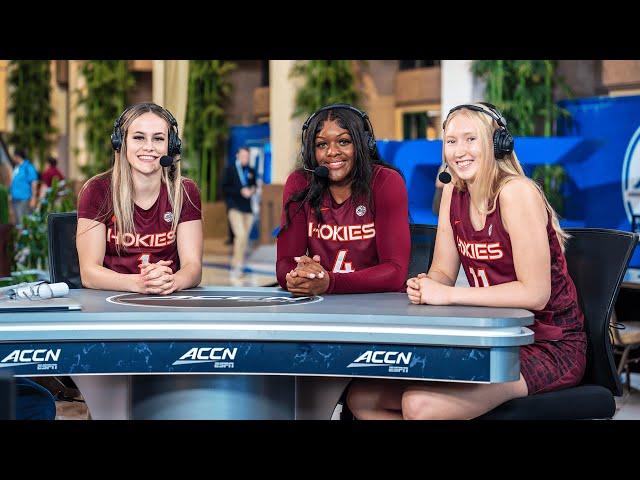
(498,224)
(140,222)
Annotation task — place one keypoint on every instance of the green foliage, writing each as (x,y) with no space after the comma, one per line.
(108,82)
(326,82)
(4,205)
(551,178)
(524,92)
(32,242)
(206,130)
(18,277)
(29,104)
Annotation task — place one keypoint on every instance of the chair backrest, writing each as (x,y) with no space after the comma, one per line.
(423,241)
(63,256)
(7,396)
(597,260)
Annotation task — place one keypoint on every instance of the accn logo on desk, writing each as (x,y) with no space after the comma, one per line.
(42,357)
(396,361)
(215,355)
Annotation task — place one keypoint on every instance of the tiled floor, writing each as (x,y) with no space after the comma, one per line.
(628,406)
(259,269)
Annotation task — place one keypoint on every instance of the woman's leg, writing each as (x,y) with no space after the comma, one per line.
(397,399)
(457,401)
(376,399)
(239,241)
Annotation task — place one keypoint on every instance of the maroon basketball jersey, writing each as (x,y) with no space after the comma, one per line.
(153,239)
(487,259)
(363,245)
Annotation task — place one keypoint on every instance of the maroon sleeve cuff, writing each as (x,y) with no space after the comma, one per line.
(332,281)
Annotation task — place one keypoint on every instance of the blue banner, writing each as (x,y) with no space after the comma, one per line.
(605,181)
(358,360)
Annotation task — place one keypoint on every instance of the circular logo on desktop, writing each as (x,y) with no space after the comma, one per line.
(631,180)
(213,299)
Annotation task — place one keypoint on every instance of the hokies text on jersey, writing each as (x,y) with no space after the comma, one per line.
(342,233)
(143,240)
(479,250)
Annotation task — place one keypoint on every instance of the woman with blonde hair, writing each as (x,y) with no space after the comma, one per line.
(140,222)
(499,225)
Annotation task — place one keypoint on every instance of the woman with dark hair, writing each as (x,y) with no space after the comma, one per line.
(345,211)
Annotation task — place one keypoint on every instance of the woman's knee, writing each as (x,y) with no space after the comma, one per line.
(355,394)
(417,405)
(363,395)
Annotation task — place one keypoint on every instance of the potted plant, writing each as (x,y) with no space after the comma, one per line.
(524,90)
(30,108)
(205,136)
(206,129)
(108,83)
(325,82)
(32,243)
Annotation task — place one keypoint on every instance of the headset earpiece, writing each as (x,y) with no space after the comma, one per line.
(502,143)
(371,143)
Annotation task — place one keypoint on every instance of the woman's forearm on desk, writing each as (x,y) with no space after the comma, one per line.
(101,278)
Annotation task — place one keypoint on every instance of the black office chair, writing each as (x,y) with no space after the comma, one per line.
(7,396)
(423,241)
(63,256)
(597,261)
(63,267)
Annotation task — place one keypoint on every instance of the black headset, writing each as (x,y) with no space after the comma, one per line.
(175,144)
(370,139)
(502,139)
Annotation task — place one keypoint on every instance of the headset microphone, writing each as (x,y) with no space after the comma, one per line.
(444,176)
(167,161)
(321,171)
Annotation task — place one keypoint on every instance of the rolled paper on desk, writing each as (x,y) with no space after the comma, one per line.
(56,289)
(40,291)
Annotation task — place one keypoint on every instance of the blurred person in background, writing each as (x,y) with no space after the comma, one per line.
(51,172)
(24,186)
(239,185)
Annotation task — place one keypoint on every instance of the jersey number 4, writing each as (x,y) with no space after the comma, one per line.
(482,275)
(340,265)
